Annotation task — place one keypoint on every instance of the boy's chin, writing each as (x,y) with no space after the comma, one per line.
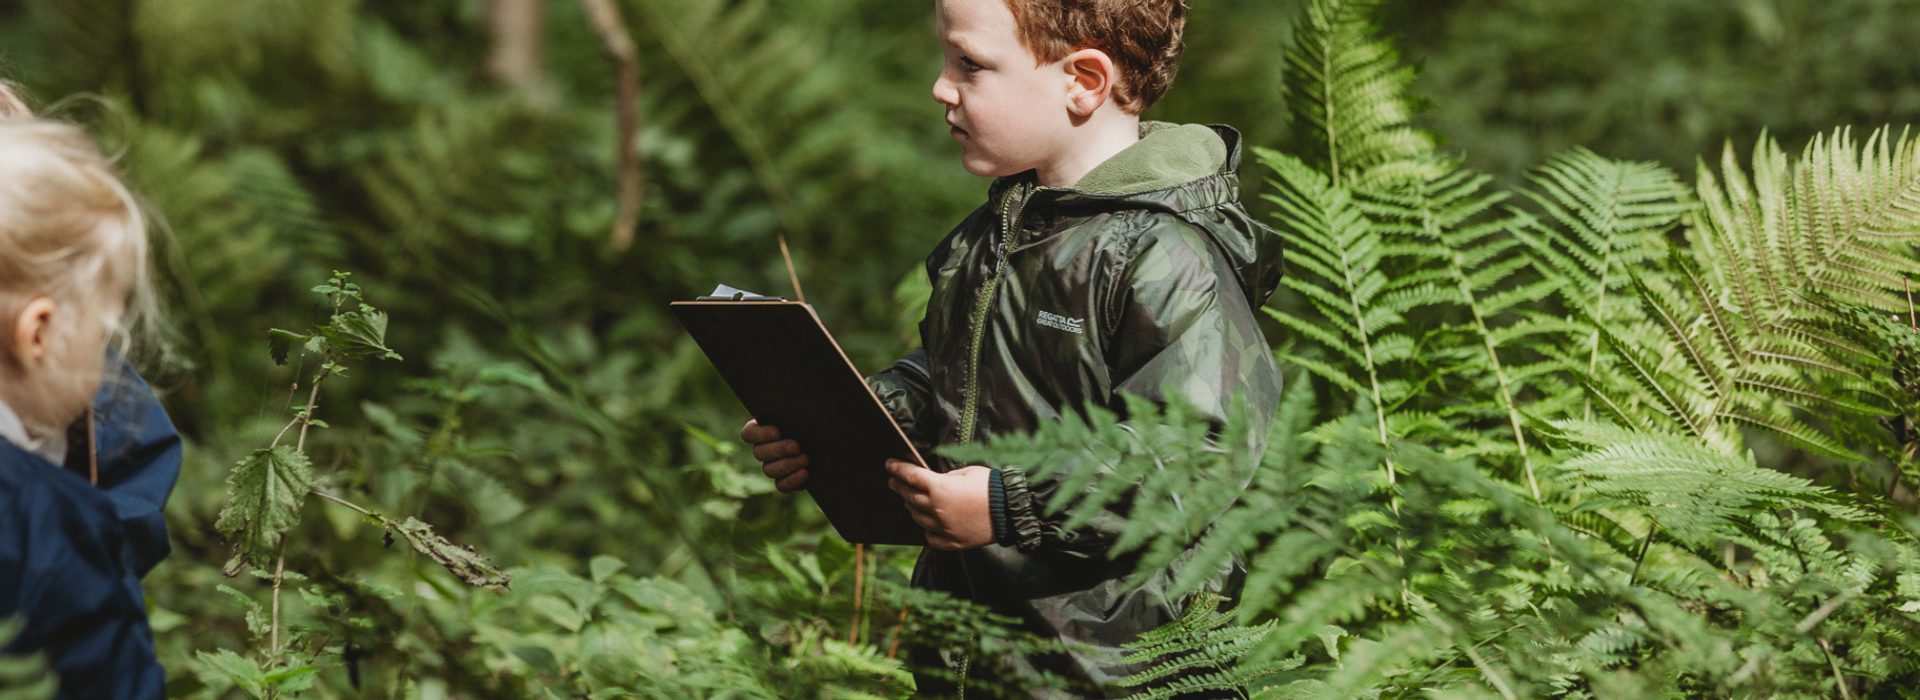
(984,167)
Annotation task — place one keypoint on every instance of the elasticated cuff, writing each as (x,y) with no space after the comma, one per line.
(1023,524)
(997,506)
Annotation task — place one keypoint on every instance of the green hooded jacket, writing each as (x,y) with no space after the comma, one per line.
(1143,278)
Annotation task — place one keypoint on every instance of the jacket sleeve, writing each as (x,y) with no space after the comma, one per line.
(1178,323)
(906,389)
(61,568)
(139,457)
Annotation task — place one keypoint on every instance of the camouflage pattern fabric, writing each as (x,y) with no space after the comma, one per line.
(1045,300)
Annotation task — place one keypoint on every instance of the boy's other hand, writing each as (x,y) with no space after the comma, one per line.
(952,507)
(781,460)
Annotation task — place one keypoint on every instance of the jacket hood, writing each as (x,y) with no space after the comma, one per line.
(1190,171)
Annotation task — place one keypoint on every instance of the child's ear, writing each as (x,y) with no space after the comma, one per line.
(31,330)
(1092,75)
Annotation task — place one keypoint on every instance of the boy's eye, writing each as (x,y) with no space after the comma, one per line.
(969,64)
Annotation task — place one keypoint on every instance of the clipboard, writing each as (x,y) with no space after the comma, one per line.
(783,365)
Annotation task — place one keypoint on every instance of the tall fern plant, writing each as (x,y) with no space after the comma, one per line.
(1736,348)
(1392,237)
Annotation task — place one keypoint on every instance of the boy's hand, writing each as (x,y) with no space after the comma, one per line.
(952,507)
(781,460)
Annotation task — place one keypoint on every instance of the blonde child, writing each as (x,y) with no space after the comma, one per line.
(80,498)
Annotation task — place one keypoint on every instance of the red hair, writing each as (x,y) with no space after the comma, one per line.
(1141,36)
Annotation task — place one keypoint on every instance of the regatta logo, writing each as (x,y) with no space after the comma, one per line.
(1058,322)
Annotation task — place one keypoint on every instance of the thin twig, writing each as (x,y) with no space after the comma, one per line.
(618,44)
(1911,322)
(798,293)
(1644,546)
(898,627)
(859,578)
(1813,620)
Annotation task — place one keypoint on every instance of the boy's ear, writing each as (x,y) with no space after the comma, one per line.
(1092,75)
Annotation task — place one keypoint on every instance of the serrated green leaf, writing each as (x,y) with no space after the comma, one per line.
(280,342)
(360,333)
(264,496)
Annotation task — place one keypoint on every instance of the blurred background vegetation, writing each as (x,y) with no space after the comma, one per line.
(460,157)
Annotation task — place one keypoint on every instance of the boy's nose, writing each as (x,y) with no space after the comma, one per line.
(944,92)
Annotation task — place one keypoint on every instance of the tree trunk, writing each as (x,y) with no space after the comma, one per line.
(519,32)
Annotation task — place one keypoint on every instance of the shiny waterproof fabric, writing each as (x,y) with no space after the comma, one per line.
(72,554)
(1049,299)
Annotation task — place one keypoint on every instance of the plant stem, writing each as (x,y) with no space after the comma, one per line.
(1839,679)
(280,563)
(344,502)
(898,627)
(859,575)
(306,416)
(1642,557)
(279,572)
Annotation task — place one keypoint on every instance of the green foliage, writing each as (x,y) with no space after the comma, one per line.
(1600,222)
(23,677)
(1681,485)
(1154,456)
(265,493)
(1516,81)
(1199,652)
(1349,97)
(1829,225)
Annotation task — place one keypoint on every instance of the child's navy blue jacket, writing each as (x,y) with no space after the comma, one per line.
(72,554)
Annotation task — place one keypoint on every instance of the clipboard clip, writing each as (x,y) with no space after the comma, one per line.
(726,293)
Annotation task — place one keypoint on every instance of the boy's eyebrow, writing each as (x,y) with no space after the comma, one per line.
(960,42)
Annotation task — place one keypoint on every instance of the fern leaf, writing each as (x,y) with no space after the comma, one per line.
(1350,99)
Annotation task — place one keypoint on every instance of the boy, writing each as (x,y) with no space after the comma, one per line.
(1112,256)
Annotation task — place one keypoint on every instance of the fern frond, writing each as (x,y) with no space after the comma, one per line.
(1691,491)
(1349,100)
(1602,218)
(1840,221)
(1200,651)
(1447,218)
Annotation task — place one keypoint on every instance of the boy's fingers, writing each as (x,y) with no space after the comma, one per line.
(755,433)
(768,452)
(915,498)
(796,481)
(926,522)
(915,475)
(780,468)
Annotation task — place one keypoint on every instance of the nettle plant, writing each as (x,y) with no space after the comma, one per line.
(268,489)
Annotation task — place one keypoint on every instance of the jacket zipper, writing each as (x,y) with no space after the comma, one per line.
(969,414)
(1016,206)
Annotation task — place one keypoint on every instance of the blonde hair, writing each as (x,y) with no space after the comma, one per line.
(72,232)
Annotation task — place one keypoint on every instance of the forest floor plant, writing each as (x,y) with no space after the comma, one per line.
(267,491)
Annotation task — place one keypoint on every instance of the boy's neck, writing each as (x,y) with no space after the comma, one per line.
(1099,139)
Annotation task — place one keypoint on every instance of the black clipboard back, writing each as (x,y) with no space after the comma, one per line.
(787,370)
